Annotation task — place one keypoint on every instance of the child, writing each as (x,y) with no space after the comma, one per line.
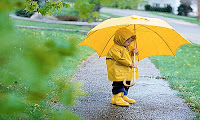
(120,65)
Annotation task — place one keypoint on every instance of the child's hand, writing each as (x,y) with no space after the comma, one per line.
(133,65)
(135,50)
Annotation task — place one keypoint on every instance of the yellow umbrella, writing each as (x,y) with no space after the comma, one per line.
(154,36)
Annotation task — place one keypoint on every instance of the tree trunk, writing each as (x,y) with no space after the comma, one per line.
(198,17)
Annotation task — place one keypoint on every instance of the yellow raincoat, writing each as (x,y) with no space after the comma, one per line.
(119,58)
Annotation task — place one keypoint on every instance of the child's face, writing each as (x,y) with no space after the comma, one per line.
(128,42)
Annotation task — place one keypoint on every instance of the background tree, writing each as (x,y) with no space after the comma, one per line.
(187,2)
(198,4)
(89,9)
(184,7)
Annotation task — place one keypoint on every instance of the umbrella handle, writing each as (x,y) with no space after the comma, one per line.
(124,82)
(134,79)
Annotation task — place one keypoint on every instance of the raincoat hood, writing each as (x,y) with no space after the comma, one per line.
(122,35)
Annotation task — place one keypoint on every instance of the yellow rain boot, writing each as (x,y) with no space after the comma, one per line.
(125,98)
(118,100)
(113,99)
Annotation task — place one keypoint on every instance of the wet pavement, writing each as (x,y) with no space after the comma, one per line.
(154,98)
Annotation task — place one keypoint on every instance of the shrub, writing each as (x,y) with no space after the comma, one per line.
(23,13)
(169,9)
(159,9)
(67,18)
(184,9)
(147,7)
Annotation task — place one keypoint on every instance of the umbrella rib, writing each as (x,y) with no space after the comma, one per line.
(108,42)
(90,34)
(160,37)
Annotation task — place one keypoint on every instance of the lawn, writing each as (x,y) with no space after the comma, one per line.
(183,73)
(60,36)
(70,65)
(108,15)
(190,19)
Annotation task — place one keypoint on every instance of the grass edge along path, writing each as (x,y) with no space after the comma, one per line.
(183,74)
(169,67)
(190,96)
(184,18)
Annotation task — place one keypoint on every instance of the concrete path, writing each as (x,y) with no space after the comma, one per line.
(154,98)
(92,24)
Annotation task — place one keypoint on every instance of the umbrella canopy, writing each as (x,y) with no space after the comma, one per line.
(154,36)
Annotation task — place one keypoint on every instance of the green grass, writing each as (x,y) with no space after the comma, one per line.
(69,66)
(184,18)
(102,18)
(108,14)
(111,15)
(66,11)
(183,73)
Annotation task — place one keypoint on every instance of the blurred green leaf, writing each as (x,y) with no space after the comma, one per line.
(84,8)
(90,20)
(31,6)
(66,5)
(66,115)
(95,14)
(11,104)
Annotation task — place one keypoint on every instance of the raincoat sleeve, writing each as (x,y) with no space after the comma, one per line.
(120,57)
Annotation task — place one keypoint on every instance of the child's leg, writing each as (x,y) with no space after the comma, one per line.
(118,91)
(126,88)
(118,87)
(126,93)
